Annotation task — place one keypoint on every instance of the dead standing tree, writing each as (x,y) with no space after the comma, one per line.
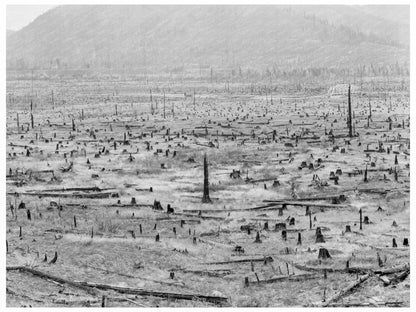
(205,198)
(349,112)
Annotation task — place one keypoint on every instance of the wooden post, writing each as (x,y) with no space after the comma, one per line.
(17,122)
(206,198)
(361,219)
(31,120)
(75,222)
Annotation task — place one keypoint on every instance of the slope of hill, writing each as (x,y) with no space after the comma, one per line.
(160,36)
(9,32)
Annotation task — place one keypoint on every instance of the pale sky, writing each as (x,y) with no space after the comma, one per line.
(18,16)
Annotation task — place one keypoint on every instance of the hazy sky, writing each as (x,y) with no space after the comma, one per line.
(18,16)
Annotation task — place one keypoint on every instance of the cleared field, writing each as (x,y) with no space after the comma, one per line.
(109,176)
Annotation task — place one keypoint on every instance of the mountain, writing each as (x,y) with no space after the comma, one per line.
(156,37)
(9,32)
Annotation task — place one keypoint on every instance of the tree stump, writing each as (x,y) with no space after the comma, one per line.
(323,254)
(406,242)
(280,226)
(299,239)
(347,228)
(54,258)
(284,235)
(258,240)
(157,237)
(394,243)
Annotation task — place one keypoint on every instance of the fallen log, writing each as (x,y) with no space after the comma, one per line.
(344,291)
(286,278)
(397,278)
(310,204)
(331,270)
(266,258)
(367,304)
(197,216)
(167,295)
(392,270)
(89,287)
(52,278)
(65,195)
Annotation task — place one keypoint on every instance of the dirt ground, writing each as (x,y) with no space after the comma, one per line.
(98,136)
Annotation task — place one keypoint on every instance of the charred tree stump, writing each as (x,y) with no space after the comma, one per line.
(406,242)
(347,228)
(284,235)
(310,220)
(394,243)
(103,301)
(206,198)
(323,254)
(319,236)
(299,239)
(258,240)
(365,175)
(157,238)
(54,258)
(29,216)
